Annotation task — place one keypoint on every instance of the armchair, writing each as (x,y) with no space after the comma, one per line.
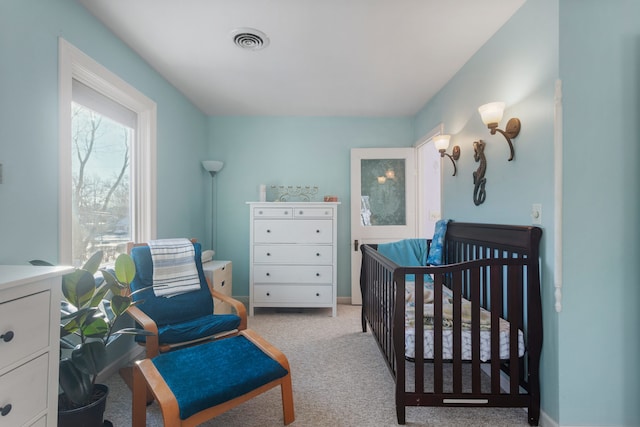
(181,320)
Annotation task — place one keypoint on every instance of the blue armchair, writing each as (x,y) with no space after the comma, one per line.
(182,319)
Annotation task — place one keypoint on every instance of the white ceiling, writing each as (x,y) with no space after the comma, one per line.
(325,57)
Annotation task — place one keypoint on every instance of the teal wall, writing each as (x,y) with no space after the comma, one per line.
(29,31)
(289,151)
(600,70)
(520,70)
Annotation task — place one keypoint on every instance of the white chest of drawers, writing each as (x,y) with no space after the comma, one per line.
(219,274)
(293,255)
(29,345)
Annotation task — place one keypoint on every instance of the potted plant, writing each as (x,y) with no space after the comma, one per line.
(89,310)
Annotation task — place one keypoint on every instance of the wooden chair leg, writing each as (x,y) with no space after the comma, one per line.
(139,399)
(287,400)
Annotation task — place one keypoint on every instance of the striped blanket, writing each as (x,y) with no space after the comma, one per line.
(174,267)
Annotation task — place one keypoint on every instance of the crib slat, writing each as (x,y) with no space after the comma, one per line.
(437,334)
(514,316)
(457,332)
(496,314)
(474,277)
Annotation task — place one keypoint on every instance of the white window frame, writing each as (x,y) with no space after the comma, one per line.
(74,64)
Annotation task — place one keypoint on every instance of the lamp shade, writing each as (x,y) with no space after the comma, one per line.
(441,142)
(491,112)
(212,165)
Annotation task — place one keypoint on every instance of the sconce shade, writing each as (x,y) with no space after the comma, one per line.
(441,142)
(212,166)
(492,112)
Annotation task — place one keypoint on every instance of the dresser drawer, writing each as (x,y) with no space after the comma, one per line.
(273,213)
(293,254)
(27,319)
(311,231)
(303,213)
(25,389)
(292,274)
(306,295)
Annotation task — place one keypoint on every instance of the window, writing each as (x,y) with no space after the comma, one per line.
(107,160)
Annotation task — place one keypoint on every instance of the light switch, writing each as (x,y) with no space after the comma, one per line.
(536,213)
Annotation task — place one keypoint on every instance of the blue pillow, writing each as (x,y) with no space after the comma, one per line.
(435,250)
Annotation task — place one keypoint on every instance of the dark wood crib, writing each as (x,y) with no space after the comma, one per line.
(495,269)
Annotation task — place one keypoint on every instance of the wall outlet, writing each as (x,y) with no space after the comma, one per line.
(536,213)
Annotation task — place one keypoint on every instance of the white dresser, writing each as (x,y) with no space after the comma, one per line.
(29,344)
(219,274)
(293,255)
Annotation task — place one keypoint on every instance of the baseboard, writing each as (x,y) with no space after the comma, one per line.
(547,421)
(245,300)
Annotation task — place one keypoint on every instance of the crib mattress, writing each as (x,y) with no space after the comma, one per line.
(447,332)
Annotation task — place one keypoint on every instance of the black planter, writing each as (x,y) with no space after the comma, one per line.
(87,416)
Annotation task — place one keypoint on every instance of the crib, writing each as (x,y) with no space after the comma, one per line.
(480,339)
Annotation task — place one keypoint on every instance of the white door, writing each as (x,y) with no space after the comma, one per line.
(383,201)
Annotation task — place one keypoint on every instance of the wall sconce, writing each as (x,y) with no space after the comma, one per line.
(442,143)
(491,114)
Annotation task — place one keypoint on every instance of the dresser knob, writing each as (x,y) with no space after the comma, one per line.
(268,253)
(259,212)
(300,213)
(317,274)
(317,231)
(318,254)
(4,410)
(268,294)
(268,231)
(268,274)
(6,337)
(317,294)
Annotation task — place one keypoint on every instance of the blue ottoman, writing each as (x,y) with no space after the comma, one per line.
(195,384)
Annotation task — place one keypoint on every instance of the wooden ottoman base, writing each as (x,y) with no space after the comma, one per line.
(148,373)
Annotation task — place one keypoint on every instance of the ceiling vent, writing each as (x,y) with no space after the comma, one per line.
(250,38)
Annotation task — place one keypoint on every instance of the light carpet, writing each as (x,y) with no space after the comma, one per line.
(339,379)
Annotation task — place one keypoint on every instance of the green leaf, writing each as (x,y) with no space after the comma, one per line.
(111,282)
(95,327)
(90,358)
(78,287)
(93,263)
(120,304)
(125,269)
(77,385)
(40,262)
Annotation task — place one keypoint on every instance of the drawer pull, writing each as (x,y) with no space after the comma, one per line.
(268,253)
(318,231)
(268,294)
(268,231)
(317,294)
(6,337)
(317,253)
(222,284)
(4,410)
(259,212)
(317,274)
(300,213)
(268,274)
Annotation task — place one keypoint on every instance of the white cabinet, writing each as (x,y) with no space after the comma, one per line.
(293,255)
(219,276)
(29,344)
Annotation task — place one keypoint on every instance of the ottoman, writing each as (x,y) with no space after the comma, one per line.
(197,383)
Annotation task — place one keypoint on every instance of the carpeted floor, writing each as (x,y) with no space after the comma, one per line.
(339,380)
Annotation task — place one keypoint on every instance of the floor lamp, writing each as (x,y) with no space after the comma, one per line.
(213,167)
